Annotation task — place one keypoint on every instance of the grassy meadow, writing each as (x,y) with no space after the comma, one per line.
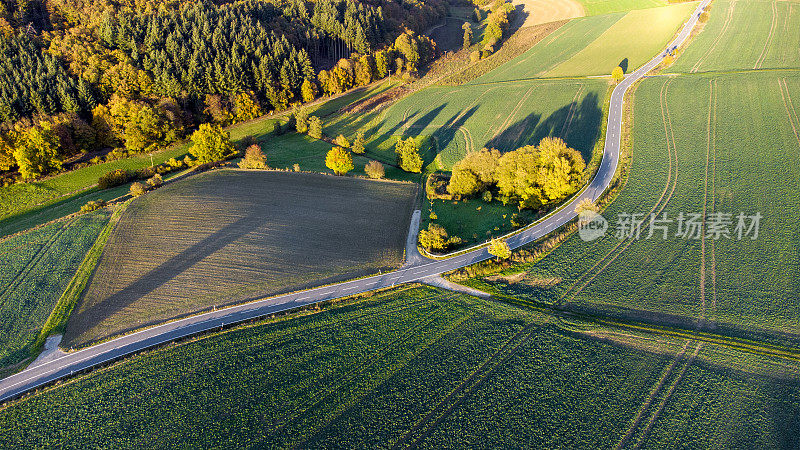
(230,236)
(414,366)
(36,268)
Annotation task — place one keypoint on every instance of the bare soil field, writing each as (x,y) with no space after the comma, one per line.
(231,236)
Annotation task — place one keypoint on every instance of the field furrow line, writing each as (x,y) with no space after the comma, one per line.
(571,113)
(716,41)
(763,55)
(12,285)
(462,391)
(711,118)
(790,112)
(666,398)
(786,33)
(649,400)
(661,203)
(352,374)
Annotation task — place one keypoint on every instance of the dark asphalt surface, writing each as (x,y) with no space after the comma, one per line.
(77,361)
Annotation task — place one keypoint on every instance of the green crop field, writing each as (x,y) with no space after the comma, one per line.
(652,28)
(412,366)
(745,36)
(559,46)
(230,236)
(36,267)
(700,144)
(594,7)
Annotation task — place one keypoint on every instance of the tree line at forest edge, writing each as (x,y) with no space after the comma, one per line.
(79,76)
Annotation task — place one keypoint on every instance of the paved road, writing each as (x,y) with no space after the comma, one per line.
(70,363)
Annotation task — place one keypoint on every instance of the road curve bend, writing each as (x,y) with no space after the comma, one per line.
(73,362)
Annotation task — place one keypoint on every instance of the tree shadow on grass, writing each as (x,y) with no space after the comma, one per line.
(577,124)
(624,65)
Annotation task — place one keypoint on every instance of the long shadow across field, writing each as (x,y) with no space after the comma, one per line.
(577,124)
(165,272)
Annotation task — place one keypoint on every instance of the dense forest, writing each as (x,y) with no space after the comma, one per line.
(81,76)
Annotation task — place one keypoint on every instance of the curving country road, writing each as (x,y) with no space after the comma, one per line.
(70,363)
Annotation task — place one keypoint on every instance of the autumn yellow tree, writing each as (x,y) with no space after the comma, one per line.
(211,143)
(617,74)
(339,160)
(499,249)
(36,151)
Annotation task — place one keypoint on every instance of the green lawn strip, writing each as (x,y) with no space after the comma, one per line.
(616,46)
(57,321)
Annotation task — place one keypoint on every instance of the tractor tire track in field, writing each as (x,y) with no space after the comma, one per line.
(469,144)
(661,203)
(667,396)
(760,61)
(465,388)
(714,207)
(649,400)
(352,374)
(710,146)
(790,111)
(14,283)
(571,113)
(713,46)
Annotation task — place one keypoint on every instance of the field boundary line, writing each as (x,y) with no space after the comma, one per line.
(653,393)
(763,56)
(714,44)
(667,396)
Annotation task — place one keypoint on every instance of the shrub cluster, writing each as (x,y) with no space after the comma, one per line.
(93,205)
